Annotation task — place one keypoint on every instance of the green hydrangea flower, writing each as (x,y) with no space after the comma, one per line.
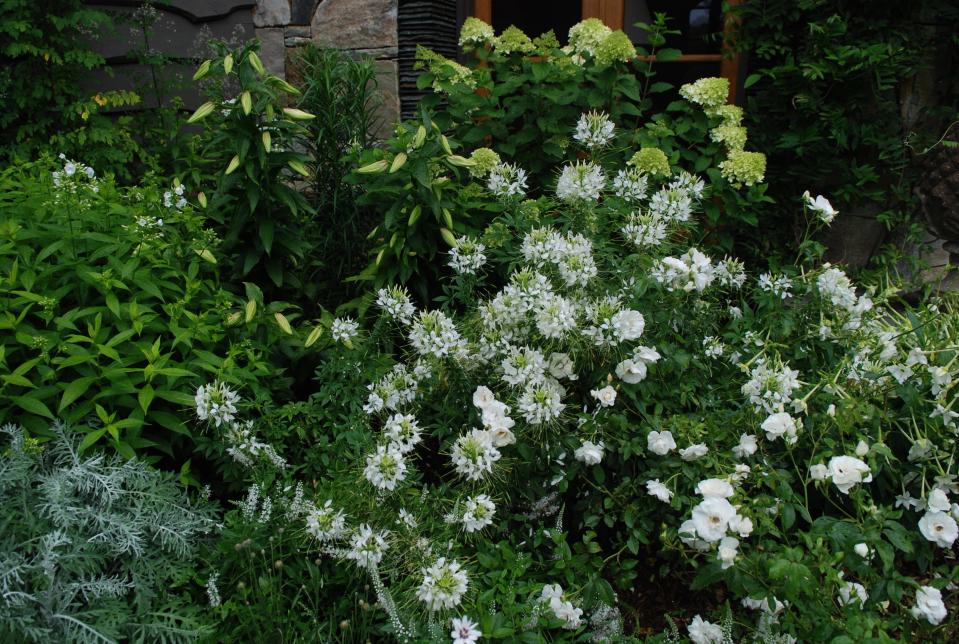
(475,32)
(485,160)
(708,92)
(651,161)
(616,47)
(732,136)
(743,168)
(585,36)
(546,42)
(730,114)
(513,41)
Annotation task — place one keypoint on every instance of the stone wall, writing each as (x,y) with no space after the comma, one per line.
(363,27)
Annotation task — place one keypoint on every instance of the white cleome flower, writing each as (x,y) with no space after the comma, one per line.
(385,467)
(542,403)
(580,181)
(403,431)
(847,471)
(465,631)
(467,256)
(344,330)
(367,547)
(507,180)
(326,523)
(660,443)
(939,528)
(474,454)
(589,452)
(929,605)
(594,130)
(479,512)
(395,302)
(443,585)
(216,402)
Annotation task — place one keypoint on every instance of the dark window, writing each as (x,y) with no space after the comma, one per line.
(537,16)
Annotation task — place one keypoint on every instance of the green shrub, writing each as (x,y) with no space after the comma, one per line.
(604,406)
(95,549)
(340,91)
(110,308)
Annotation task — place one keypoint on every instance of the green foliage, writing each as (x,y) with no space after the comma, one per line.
(110,308)
(422,191)
(340,91)
(250,147)
(842,95)
(95,549)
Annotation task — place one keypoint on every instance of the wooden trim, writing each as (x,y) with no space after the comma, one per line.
(685,58)
(731,58)
(611,12)
(483,9)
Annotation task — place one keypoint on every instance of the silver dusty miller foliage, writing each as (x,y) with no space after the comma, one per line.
(94,548)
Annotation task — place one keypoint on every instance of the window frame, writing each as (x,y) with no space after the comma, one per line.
(612,13)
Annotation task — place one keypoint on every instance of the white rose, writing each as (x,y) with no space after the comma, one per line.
(862,550)
(747,446)
(631,372)
(693,452)
(727,551)
(818,472)
(940,528)
(711,518)
(495,416)
(862,448)
(590,453)
(851,593)
(703,632)
(938,500)
(502,436)
(779,424)
(847,471)
(660,491)
(483,397)
(629,324)
(561,366)
(646,355)
(714,487)
(741,525)
(606,396)
(929,605)
(660,443)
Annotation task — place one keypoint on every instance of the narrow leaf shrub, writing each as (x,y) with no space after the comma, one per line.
(95,548)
